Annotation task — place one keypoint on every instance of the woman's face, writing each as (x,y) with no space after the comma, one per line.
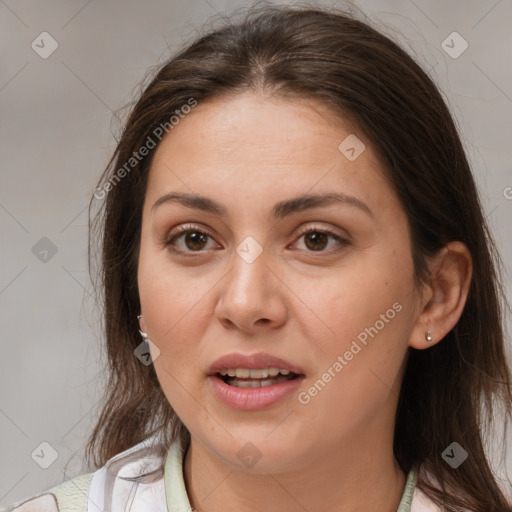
(326,286)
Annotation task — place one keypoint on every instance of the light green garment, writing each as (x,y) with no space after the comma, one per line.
(176,494)
(137,493)
(406,501)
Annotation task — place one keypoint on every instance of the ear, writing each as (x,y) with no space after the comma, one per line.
(444,297)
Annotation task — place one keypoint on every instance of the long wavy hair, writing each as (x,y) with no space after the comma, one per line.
(451,391)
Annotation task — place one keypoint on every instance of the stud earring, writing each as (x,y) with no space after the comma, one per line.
(428,336)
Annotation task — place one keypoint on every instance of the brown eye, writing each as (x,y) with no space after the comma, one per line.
(195,240)
(317,240)
(188,239)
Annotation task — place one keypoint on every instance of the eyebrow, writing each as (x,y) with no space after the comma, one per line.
(280,210)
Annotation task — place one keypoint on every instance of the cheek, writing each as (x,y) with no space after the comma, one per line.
(358,296)
(168,297)
(173,308)
(367,307)
(173,305)
(356,369)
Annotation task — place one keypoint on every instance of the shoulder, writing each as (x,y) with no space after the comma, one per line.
(413,499)
(420,500)
(133,479)
(422,503)
(70,496)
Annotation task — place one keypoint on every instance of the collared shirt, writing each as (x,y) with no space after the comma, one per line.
(137,480)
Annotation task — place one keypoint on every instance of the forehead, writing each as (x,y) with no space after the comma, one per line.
(253,123)
(264,147)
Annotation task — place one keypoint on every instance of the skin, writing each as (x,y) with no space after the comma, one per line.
(249,152)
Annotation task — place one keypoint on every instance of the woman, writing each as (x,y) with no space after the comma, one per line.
(302,303)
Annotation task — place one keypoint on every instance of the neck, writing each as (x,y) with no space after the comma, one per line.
(359,475)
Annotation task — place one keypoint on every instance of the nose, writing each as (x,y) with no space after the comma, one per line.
(252,296)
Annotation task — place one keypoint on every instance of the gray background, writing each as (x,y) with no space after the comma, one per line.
(56,137)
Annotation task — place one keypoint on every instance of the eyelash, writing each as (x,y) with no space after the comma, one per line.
(190,228)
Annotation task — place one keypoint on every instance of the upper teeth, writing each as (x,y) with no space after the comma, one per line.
(261,373)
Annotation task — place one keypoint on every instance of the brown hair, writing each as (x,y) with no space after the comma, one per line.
(449,391)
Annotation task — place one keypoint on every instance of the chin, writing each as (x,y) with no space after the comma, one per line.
(257,452)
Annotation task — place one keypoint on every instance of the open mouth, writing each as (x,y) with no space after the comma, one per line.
(254,382)
(245,378)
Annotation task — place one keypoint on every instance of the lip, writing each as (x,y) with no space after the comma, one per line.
(250,399)
(252,362)
(247,399)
